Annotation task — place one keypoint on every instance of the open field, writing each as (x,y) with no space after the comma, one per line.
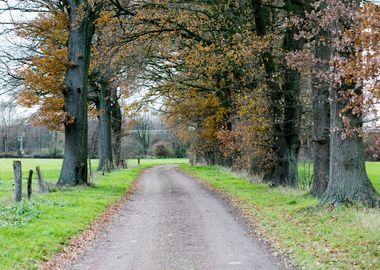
(50,170)
(51,167)
(315,238)
(33,231)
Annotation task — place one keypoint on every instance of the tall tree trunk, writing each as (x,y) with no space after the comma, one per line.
(278,174)
(74,167)
(348,180)
(293,108)
(287,121)
(225,97)
(104,110)
(116,125)
(321,113)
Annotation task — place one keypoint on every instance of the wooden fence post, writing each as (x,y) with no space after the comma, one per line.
(30,184)
(18,180)
(42,186)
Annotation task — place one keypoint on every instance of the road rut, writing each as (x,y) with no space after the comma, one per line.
(173,222)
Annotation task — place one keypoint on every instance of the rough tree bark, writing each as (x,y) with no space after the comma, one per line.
(348,180)
(116,125)
(292,90)
(105,139)
(225,96)
(292,119)
(321,113)
(74,167)
(286,121)
(279,172)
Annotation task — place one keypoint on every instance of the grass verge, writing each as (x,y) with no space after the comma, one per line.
(38,229)
(314,238)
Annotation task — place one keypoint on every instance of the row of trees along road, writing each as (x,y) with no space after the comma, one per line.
(231,78)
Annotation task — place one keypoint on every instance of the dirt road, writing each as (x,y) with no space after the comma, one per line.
(172,222)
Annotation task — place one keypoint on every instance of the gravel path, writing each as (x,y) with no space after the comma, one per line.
(173,222)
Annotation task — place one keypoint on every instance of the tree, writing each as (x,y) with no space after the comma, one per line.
(99,80)
(348,180)
(348,41)
(161,149)
(44,76)
(61,77)
(116,126)
(143,131)
(7,112)
(292,89)
(203,67)
(81,29)
(321,116)
(319,38)
(111,74)
(372,145)
(284,99)
(321,109)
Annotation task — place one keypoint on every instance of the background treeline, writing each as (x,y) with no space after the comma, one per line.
(145,136)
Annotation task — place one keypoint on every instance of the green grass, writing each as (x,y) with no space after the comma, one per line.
(33,231)
(305,172)
(49,167)
(315,238)
(373,171)
(50,170)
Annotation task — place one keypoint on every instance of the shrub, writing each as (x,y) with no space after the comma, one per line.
(162,150)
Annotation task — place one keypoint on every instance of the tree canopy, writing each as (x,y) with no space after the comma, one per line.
(232,79)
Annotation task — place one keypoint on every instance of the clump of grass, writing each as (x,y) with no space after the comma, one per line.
(18,214)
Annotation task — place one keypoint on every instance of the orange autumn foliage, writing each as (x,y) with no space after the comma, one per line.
(213,86)
(362,67)
(43,77)
(196,119)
